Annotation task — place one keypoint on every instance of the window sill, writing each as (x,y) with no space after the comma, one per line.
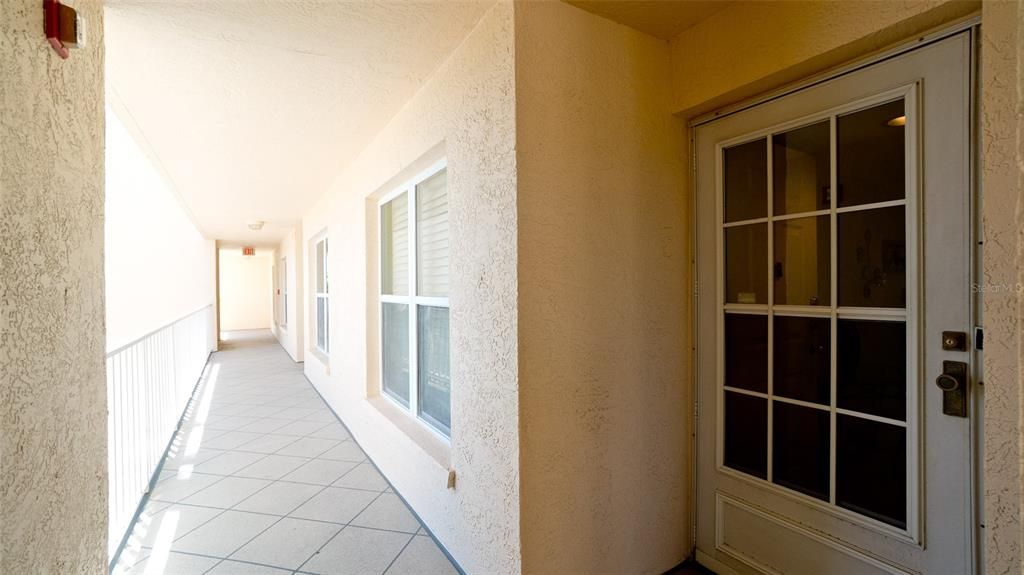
(320,356)
(427,440)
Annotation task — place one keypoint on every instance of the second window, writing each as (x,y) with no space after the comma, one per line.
(414,261)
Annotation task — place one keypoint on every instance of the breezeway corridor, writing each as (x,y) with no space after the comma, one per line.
(262,478)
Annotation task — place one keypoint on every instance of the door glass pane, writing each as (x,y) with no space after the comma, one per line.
(746,351)
(434,373)
(871,469)
(800,170)
(745,181)
(746,262)
(870,155)
(395,352)
(802,252)
(394,246)
(746,434)
(803,358)
(800,450)
(873,258)
(872,367)
(432,242)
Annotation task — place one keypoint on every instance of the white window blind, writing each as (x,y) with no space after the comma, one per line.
(395,246)
(432,240)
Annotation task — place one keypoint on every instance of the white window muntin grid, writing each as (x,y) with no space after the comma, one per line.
(910,314)
(411,300)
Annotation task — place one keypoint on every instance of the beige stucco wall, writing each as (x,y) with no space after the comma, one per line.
(1002,181)
(465,113)
(755,46)
(603,320)
(53,432)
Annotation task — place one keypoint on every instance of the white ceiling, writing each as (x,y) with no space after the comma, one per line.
(250,108)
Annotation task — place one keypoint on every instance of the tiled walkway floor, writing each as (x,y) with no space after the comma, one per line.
(262,479)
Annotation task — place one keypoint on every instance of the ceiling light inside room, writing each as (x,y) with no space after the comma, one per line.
(898,121)
(255,225)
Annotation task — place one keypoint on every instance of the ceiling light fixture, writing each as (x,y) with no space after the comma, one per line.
(255,225)
(898,121)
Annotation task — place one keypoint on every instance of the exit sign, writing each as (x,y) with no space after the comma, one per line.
(248,251)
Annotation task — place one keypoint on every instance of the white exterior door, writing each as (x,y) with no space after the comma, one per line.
(834,250)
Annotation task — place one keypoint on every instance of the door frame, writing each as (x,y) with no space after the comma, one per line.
(970,25)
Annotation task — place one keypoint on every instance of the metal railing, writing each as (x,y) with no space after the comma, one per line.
(149,383)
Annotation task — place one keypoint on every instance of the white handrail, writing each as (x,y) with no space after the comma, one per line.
(149,383)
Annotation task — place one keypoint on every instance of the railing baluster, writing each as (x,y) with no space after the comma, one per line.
(148,384)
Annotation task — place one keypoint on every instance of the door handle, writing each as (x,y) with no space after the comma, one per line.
(953,383)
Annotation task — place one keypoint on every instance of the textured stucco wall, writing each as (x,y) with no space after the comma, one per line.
(466,113)
(603,320)
(1002,175)
(53,432)
(754,46)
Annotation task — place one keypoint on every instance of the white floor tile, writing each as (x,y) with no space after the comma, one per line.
(357,551)
(265,409)
(228,422)
(335,504)
(345,451)
(176,488)
(320,471)
(224,534)
(288,543)
(302,428)
(363,476)
(188,517)
(388,512)
(181,457)
(268,443)
(228,462)
(324,415)
(272,467)
(299,413)
(176,564)
(229,567)
(266,425)
(307,447)
(227,492)
(230,440)
(278,498)
(422,557)
(335,431)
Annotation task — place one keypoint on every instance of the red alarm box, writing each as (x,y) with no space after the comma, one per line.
(62,26)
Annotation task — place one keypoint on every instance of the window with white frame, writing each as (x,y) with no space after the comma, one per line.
(414,251)
(322,289)
(283,287)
